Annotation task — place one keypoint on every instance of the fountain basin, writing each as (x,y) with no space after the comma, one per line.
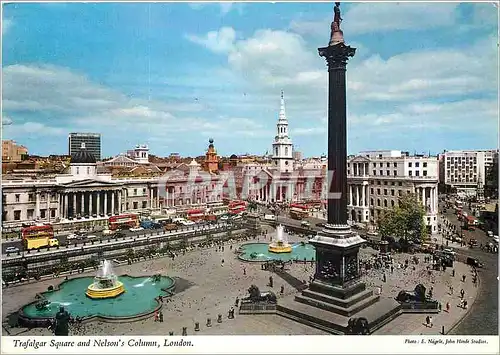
(259,252)
(141,299)
(110,292)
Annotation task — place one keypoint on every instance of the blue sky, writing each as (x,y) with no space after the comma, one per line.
(172,75)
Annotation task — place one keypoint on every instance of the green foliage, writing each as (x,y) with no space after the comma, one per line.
(405,220)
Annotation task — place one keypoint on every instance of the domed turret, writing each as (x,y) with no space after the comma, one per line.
(83,156)
(83,164)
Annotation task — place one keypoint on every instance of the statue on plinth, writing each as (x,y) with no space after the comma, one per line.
(336,35)
(62,322)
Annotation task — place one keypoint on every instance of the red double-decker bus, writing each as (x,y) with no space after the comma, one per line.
(196,215)
(299,211)
(35,237)
(236,207)
(123,221)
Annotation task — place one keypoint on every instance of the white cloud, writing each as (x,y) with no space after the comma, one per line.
(6,121)
(220,41)
(225,6)
(425,74)
(6,25)
(82,104)
(37,129)
(381,17)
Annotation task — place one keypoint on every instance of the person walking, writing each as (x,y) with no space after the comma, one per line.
(447,306)
(462,293)
(427,321)
(430,321)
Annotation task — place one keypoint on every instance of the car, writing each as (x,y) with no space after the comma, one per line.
(11,250)
(224,218)
(92,236)
(108,232)
(72,236)
(474,262)
(305,224)
(136,229)
(490,234)
(237,217)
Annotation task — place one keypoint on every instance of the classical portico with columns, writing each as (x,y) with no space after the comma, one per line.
(358,191)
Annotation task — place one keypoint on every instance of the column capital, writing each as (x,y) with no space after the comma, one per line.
(337,56)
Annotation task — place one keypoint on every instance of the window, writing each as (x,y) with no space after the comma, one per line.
(378,191)
(392,192)
(276,150)
(43,213)
(400,183)
(395,173)
(371,202)
(374,165)
(286,151)
(381,165)
(417,164)
(30,213)
(88,170)
(392,203)
(42,197)
(385,191)
(17,197)
(374,172)
(381,172)
(388,165)
(385,203)
(410,173)
(400,193)
(424,172)
(77,170)
(144,204)
(135,192)
(348,172)
(378,182)
(385,183)
(378,202)
(371,190)
(53,213)
(136,205)
(144,191)
(17,215)
(31,197)
(409,164)
(392,183)
(395,165)
(127,206)
(424,165)
(417,173)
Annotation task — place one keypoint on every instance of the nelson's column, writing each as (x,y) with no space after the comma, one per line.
(337,293)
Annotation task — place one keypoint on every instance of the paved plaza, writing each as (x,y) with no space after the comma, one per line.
(211,287)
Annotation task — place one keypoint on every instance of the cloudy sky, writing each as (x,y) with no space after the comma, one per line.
(172,75)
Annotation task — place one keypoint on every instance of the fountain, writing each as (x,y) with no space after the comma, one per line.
(280,244)
(106,284)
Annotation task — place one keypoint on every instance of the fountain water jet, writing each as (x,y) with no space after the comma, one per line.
(106,284)
(280,244)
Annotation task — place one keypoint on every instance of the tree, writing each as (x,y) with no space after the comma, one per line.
(405,220)
(252,205)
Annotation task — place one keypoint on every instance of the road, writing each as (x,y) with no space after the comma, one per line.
(482,319)
(63,238)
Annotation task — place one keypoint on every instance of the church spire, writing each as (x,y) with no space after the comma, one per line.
(282,115)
